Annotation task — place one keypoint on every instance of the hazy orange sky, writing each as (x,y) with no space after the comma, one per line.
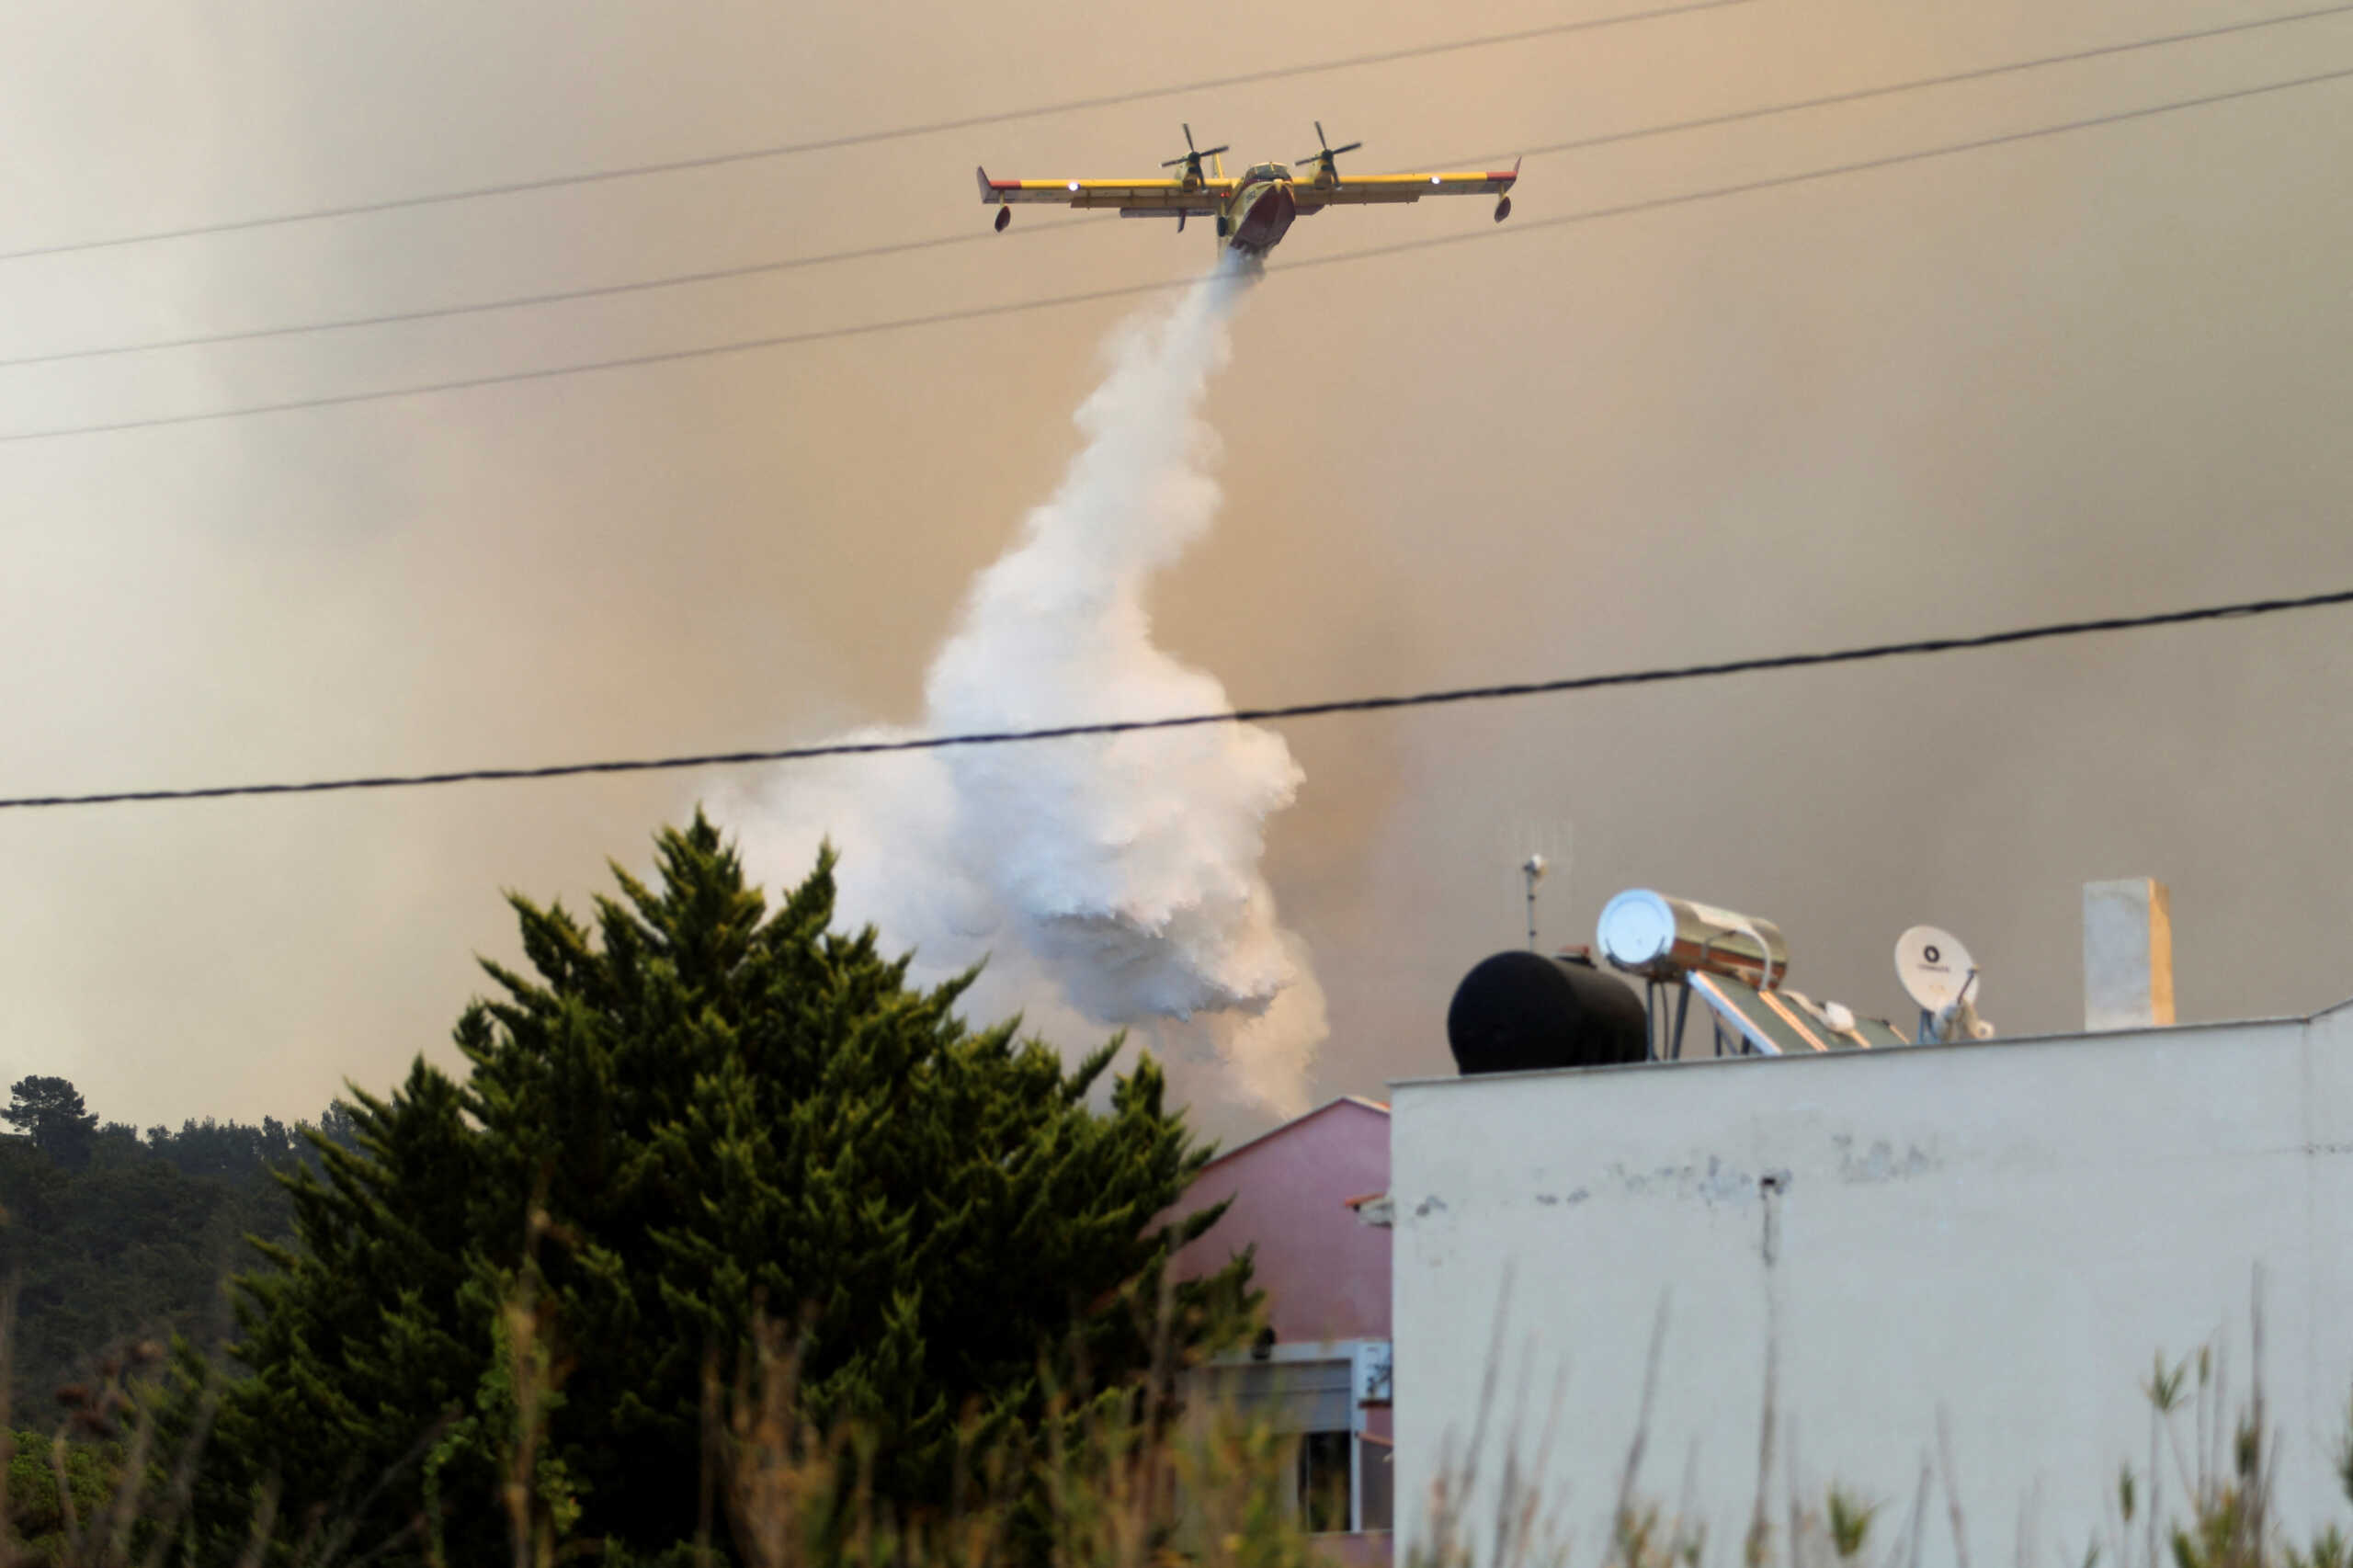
(2088,374)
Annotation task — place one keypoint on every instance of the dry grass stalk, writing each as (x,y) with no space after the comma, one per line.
(1123,1485)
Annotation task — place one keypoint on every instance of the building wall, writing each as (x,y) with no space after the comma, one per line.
(1327,1277)
(2007,1233)
(1327,1283)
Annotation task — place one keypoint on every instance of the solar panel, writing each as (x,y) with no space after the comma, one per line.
(1781,1022)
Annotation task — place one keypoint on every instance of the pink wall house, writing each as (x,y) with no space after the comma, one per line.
(1326,1275)
(1325,1380)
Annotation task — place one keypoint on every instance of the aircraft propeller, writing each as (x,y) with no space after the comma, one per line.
(1329,153)
(1192,158)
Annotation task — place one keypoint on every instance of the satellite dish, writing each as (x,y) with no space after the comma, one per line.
(1934,967)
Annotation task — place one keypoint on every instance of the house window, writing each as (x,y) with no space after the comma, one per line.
(1326,1489)
(1318,1394)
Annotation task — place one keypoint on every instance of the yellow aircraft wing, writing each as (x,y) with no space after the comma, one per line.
(1353,189)
(1198,197)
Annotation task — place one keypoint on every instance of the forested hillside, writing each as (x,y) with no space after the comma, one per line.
(113,1235)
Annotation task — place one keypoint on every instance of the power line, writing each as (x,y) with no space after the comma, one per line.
(1444,698)
(633,361)
(1859,166)
(871,137)
(555,297)
(867,253)
(979,312)
(1983,72)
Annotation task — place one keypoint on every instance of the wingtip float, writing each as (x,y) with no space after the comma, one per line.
(1254,210)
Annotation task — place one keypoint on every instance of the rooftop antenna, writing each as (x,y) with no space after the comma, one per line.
(1535,845)
(1532,871)
(1939,974)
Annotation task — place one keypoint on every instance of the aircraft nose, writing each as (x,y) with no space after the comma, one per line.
(1269,215)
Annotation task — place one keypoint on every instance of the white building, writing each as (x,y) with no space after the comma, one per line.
(1996,1237)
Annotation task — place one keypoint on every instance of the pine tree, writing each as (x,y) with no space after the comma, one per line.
(693,1114)
(123,1240)
(51,1111)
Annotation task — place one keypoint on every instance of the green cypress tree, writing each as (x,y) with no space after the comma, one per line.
(693,1113)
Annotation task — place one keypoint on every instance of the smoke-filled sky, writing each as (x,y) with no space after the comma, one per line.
(2086,374)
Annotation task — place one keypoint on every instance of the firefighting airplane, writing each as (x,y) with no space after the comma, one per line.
(1252,212)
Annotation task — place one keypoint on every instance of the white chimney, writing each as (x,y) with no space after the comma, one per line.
(2128,954)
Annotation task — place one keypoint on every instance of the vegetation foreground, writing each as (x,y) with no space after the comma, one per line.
(693,1115)
(1123,1479)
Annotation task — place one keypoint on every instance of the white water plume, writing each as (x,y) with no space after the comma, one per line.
(1109,879)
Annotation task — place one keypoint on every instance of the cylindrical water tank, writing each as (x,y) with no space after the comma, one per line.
(1521,1010)
(1649,934)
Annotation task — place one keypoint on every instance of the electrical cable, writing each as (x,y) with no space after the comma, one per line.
(1863,94)
(1446,698)
(894,133)
(867,253)
(633,361)
(556,297)
(1833,171)
(979,312)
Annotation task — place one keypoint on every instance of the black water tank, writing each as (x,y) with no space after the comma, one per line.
(1522,1010)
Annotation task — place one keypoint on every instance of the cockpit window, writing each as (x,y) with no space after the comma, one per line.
(1266,171)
